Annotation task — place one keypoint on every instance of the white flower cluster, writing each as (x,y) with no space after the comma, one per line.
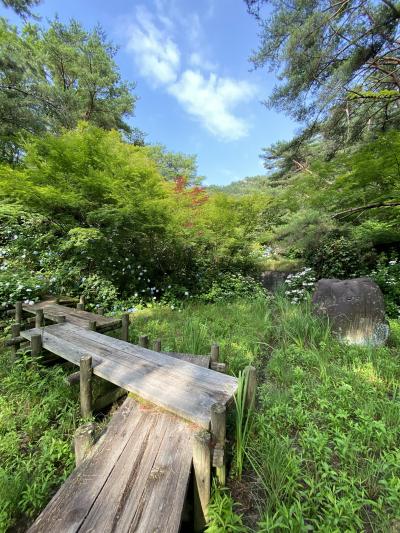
(299,284)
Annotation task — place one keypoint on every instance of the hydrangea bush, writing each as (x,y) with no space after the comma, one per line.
(299,285)
(387,276)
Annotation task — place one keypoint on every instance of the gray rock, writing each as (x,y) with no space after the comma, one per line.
(355,309)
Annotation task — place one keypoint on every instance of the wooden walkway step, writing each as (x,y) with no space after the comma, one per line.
(134,480)
(183,388)
(74,316)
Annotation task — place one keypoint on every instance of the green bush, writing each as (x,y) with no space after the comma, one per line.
(231,286)
(387,276)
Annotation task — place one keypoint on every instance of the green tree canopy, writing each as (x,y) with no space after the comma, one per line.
(52,78)
(21,7)
(338,63)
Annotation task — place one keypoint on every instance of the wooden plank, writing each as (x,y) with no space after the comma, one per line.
(158,359)
(165,490)
(200,360)
(72,503)
(126,483)
(74,316)
(183,388)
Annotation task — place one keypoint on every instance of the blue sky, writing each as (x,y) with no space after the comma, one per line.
(189,59)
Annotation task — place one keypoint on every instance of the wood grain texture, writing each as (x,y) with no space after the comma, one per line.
(135,478)
(183,388)
(74,316)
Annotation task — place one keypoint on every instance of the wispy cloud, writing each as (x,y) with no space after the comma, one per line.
(156,54)
(211,100)
(202,93)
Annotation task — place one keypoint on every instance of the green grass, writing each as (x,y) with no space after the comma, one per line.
(324,454)
(38,414)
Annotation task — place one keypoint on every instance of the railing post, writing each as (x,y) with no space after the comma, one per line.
(157,345)
(218,430)
(39,318)
(15,332)
(202,478)
(36,345)
(83,441)
(144,341)
(214,353)
(85,392)
(18,312)
(125,327)
(92,325)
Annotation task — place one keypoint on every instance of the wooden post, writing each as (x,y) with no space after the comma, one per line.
(218,430)
(214,353)
(18,312)
(251,386)
(92,325)
(36,344)
(83,441)
(202,478)
(100,311)
(144,341)
(86,386)
(60,319)
(15,332)
(125,327)
(39,318)
(157,345)
(80,307)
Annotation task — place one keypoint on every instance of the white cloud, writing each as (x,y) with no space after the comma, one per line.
(212,100)
(156,54)
(209,98)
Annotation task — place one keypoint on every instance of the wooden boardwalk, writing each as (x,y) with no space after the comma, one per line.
(135,478)
(180,387)
(74,316)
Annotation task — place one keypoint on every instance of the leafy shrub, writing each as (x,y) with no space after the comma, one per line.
(99,291)
(230,286)
(339,256)
(387,276)
(17,285)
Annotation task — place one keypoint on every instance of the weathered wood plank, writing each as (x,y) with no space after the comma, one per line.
(126,483)
(165,490)
(183,388)
(74,316)
(69,507)
(201,360)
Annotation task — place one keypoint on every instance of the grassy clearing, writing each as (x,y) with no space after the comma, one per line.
(324,454)
(38,414)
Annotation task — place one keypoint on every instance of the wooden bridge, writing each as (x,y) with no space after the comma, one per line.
(135,477)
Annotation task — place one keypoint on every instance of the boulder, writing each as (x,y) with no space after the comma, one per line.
(355,309)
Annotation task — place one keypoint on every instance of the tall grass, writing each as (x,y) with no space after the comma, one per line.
(243,422)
